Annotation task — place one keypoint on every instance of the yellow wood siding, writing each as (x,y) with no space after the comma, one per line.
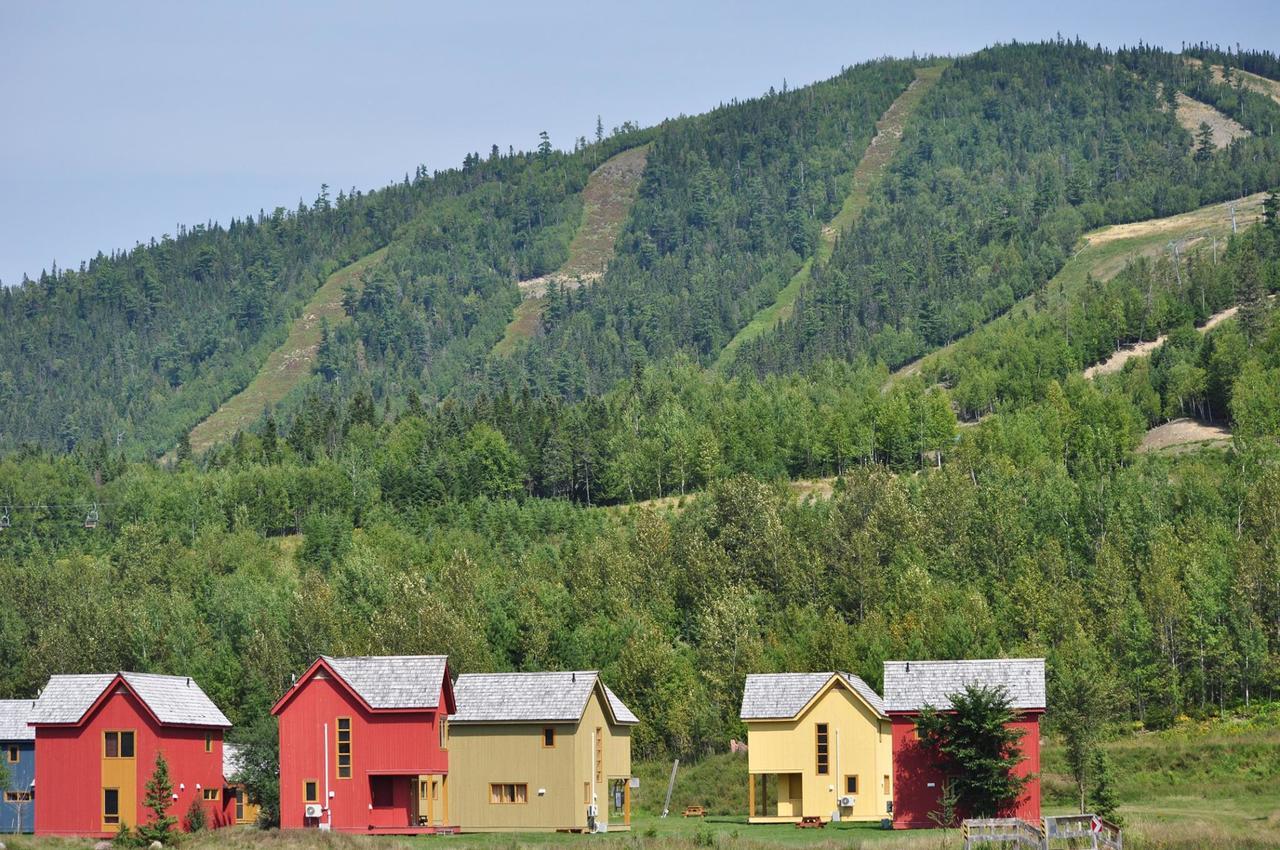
(859,744)
(483,754)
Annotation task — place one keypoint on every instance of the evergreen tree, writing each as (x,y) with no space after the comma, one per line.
(1204,142)
(1102,798)
(978,748)
(157,799)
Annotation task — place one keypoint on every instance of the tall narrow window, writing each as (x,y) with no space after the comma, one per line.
(823,751)
(344,747)
(14,755)
(310,791)
(208,742)
(444,733)
(887,785)
(599,755)
(851,785)
(111,805)
(126,745)
(549,737)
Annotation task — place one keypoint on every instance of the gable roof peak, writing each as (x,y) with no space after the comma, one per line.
(780,696)
(172,700)
(547,696)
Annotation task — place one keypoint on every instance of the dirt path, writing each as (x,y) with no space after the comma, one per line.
(606,200)
(1191,113)
(1183,432)
(866,175)
(288,365)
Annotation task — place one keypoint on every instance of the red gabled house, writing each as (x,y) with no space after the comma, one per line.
(909,686)
(97,736)
(364,745)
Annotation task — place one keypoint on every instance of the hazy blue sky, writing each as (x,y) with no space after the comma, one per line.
(120,119)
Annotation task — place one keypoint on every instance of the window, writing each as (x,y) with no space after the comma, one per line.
(208,742)
(211,793)
(239,804)
(586,792)
(117,745)
(344,747)
(444,733)
(17,796)
(599,755)
(310,791)
(508,792)
(14,754)
(548,737)
(822,749)
(851,785)
(887,785)
(111,805)
(382,791)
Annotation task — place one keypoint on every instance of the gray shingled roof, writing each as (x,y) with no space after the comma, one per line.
(175,700)
(559,697)
(911,685)
(14,714)
(394,681)
(777,696)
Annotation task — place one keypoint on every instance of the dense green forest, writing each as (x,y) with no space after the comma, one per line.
(416,494)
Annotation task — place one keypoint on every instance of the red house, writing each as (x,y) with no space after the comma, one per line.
(909,686)
(364,745)
(97,737)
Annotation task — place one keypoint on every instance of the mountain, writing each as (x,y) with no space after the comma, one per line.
(1044,267)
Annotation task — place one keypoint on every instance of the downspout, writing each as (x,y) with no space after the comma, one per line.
(839,777)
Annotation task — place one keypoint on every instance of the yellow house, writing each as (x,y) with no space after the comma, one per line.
(246,808)
(818,745)
(539,752)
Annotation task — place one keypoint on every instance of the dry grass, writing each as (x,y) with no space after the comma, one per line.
(288,365)
(606,201)
(1261,85)
(1192,113)
(866,175)
(1184,434)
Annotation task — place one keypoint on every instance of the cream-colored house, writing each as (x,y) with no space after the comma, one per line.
(539,752)
(818,745)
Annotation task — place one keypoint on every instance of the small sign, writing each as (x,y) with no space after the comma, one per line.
(1095,825)
(634,782)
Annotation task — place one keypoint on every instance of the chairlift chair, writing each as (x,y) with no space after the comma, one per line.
(4,519)
(91,518)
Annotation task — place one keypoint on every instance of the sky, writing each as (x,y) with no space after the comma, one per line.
(120,120)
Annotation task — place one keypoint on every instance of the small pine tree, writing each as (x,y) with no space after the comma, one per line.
(978,748)
(1102,798)
(158,799)
(1204,142)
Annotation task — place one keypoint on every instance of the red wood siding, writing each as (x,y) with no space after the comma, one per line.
(383,743)
(914,768)
(69,768)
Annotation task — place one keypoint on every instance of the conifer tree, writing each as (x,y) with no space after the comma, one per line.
(1102,798)
(157,799)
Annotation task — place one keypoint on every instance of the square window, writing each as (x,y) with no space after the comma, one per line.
(211,793)
(382,791)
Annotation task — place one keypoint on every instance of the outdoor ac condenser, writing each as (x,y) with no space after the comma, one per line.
(313,810)
(845,802)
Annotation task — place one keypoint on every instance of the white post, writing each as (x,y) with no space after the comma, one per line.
(328,809)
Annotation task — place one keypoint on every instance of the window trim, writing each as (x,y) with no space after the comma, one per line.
(548,734)
(13,754)
(854,777)
(119,736)
(822,748)
(337,747)
(316,784)
(513,786)
(109,819)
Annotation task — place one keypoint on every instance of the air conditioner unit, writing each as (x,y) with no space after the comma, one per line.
(846,802)
(313,810)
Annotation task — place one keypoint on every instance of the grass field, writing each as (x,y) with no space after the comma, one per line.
(866,174)
(287,365)
(606,201)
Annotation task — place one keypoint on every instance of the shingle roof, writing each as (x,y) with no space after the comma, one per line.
(393,681)
(559,697)
(174,700)
(14,714)
(911,685)
(776,696)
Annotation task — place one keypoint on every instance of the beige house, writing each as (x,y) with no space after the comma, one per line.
(539,752)
(818,745)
